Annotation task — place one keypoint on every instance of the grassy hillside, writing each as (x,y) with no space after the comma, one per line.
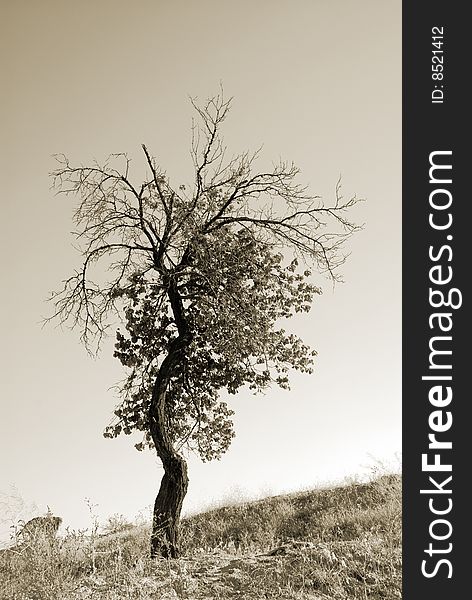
(341,543)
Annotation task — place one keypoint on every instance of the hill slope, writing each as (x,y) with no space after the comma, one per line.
(332,544)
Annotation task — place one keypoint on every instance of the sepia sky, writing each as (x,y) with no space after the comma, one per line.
(315,82)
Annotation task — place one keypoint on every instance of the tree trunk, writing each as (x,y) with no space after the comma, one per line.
(168,504)
(167,508)
(174,483)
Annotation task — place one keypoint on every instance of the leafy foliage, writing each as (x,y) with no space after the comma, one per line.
(235,291)
(197,276)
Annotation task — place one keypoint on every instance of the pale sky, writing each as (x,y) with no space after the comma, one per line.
(315,82)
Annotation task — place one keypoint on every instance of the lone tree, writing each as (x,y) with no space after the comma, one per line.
(201,278)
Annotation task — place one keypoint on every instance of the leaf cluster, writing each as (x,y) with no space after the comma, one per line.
(235,290)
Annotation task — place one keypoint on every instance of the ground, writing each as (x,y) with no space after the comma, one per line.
(329,544)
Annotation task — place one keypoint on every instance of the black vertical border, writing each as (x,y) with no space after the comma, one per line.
(429,127)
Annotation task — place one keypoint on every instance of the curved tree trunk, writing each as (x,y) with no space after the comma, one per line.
(174,484)
(167,508)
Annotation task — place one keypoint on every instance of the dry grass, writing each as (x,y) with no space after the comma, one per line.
(340,543)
